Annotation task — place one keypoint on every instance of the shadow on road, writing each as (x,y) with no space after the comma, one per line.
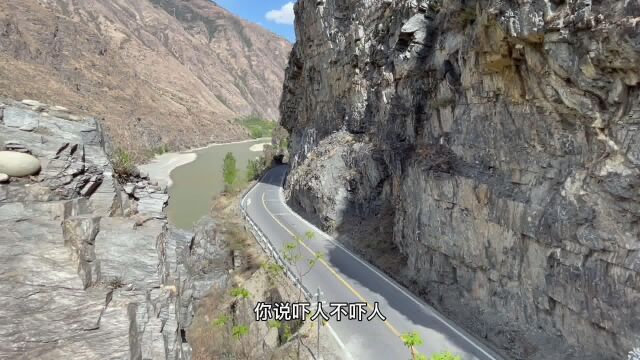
(363,276)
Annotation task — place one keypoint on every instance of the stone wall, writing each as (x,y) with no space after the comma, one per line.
(84,271)
(495,145)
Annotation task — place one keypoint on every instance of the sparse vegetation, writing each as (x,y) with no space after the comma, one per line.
(222,320)
(258,128)
(239,331)
(292,254)
(255,168)
(225,327)
(123,163)
(116,282)
(161,149)
(412,340)
(240,293)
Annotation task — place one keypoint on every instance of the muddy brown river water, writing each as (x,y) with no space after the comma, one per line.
(195,183)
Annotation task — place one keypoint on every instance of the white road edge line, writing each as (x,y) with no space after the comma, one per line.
(340,343)
(333,333)
(383,276)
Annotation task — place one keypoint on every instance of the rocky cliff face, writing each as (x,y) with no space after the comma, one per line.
(87,271)
(492,146)
(160,72)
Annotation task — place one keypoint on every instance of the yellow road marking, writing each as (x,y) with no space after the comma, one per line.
(335,274)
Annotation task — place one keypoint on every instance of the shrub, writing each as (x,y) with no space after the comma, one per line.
(229,170)
(240,293)
(255,168)
(256,133)
(411,339)
(222,320)
(123,164)
(239,331)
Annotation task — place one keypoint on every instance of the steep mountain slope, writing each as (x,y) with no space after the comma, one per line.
(487,153)
(170,72)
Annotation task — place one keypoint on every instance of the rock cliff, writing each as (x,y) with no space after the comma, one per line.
(87,270)
(489,153)
(160,72)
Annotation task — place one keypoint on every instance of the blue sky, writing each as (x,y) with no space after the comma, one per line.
(275,15)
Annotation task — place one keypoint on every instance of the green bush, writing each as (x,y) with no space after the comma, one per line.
(229,170)
(411,339)
(240,293)
(239,331)
(123,164)
(258,128)
(255,168)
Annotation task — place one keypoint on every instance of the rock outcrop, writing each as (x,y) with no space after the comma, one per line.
(493,145)
(80,279)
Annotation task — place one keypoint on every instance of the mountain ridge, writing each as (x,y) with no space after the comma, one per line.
(159,72)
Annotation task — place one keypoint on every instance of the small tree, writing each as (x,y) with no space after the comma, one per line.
(229,171)
(411,340)
(255,168)
(292,254)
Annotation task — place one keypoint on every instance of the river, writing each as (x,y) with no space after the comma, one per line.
(194,184)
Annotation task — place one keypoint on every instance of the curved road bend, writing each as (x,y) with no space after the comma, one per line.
(344,277)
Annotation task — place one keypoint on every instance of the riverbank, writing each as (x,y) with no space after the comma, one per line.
(258,147)
(228,143)
(160,168)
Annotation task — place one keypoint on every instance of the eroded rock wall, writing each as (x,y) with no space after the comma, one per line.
(85,272)
(495,145)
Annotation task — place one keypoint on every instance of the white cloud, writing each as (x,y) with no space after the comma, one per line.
(283,16)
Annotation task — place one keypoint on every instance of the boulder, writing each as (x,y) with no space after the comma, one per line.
(153,204)
(4,178)
(18,164)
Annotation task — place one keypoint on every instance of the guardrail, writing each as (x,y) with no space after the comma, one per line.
(268,247)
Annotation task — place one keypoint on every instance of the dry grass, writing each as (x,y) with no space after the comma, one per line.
(220,314)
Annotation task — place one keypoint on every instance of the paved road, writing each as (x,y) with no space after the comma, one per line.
(344,277)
